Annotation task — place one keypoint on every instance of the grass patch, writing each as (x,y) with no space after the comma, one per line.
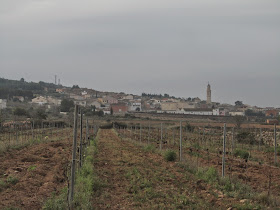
(170,155)
(271,150)
(12,180)
(241,153)
(86,184)
(149,148)
(3,185)
(57,202)
(32,168)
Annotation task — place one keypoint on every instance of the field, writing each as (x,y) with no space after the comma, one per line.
(137,164)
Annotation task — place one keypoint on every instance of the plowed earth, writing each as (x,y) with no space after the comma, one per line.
(135,178)
(40,170)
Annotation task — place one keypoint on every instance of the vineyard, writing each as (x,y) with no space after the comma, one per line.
(138,164)
(250,154)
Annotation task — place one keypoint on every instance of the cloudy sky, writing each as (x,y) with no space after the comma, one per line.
(153,46)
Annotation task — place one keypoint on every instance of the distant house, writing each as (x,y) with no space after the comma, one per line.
(187,105)
(59,90)
(84,93)
(41,100)
(3,103)
(127,97)
(80,103)
(95,103)
(237,113)
(135,106)
(190,112)
(106,111)
(196,100)
(108,100)
(54,101)
(119,108)
(272,121)
(271,113)
(169,106)
(20,98)
(75,96)
(198,111)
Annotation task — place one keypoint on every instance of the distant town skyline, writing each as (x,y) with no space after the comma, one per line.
(155,46)
(203,98)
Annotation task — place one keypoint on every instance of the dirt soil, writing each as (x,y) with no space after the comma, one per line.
(136,178)
(255,174)
(40,170)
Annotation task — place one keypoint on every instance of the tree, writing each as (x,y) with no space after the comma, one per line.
(250,112)
(111,111)
(239,120)
(66,105)
(100,113)
(238,103)
(138,109)
(41,114)
(21,80)
(20,112)
(75,87)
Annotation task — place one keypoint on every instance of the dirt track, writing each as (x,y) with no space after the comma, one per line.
(40,170)
(135,178)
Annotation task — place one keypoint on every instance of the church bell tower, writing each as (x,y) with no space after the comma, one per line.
(208,94)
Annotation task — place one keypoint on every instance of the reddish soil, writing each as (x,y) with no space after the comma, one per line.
(255,174)
(135,178)
(40,170)
(251,173)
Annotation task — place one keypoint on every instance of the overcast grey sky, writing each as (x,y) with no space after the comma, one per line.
(153,46)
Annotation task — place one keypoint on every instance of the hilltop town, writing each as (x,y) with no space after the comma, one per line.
(21,97)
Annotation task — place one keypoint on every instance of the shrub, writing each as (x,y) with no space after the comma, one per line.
(3,185)
(12,180)
(170,155)
(241,153)
(211,175)
(149,148)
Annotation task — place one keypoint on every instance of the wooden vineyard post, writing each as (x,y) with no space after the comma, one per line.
(173,136)
(140,132)
(232,138)
(87,134)
(224,151)
(275,145)
(260,138)
(180,154)
(160,146)
(149,133)
(81,138)
(73,164)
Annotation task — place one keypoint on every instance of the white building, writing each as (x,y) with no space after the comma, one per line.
(135,106)
(127,97)
(237,113)
(220,112)
(198,112)
(189,112)
(41,100)
(80,103)
(3,103)
(95,103)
